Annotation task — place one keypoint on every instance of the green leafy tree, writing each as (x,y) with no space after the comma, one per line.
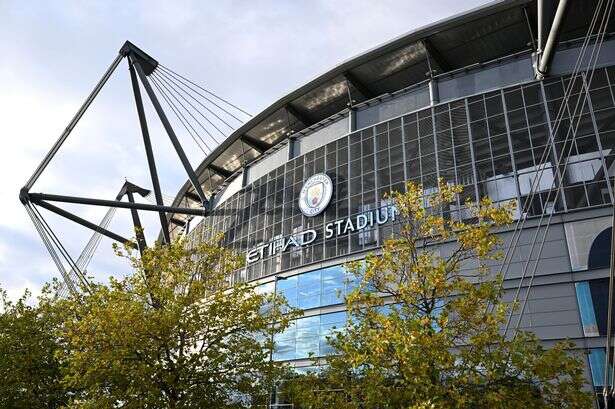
(174,334)
(424,328)
(30,371)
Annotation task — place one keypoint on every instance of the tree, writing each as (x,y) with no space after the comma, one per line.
(30,371)
(174,334)
(424,328)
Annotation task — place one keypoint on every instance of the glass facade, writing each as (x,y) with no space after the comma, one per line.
(308,336)
(492,144)
(592,299)
(318,288)
(586,309)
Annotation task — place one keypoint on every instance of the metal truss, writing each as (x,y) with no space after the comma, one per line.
(141,66)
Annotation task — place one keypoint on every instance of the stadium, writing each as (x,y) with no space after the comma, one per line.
(514,100)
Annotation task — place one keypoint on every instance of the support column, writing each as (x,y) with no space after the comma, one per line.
(147,143)
(352,119)
(137,225)
(171,133)
(434,94)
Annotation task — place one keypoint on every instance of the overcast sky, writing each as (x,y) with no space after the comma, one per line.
(52,53)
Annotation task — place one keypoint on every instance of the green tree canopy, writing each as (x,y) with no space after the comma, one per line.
(424,327)
(30,371)
(174,334)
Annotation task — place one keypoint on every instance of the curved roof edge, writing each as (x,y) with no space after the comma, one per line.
(444,44)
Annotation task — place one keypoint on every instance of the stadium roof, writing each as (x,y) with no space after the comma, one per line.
(487,33)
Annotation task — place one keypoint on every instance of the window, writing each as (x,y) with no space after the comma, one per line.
(586,309)
(581,237)
(308,336)
(492,144)
(592,299)
(318,288)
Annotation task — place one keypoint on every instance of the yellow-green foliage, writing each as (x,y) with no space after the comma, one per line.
(174,334)
(439,343)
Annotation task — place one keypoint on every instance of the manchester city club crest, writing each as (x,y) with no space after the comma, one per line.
(315,194)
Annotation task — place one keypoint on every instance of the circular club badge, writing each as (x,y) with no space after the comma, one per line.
(315,194)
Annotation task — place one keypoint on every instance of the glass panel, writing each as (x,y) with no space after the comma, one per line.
(586,309)
(288,288)
(333,279)
(308,290)
(597,356)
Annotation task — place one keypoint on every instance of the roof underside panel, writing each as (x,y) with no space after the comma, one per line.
(232,158)
(497,30)
(483,39)
(273,128)
(577,19)
(324,101)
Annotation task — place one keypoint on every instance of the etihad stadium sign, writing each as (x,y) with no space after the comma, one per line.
(313,200)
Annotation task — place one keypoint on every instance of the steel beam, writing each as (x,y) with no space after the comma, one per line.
(178,222)
(304,119)
(148,63)
(360,86)
(220,171)
(171,133)
(129,189)
(84,223)
(192,196)
(436,56)
(256,144)
(136,222)
(37,197)
(549,50)
(71,125)
(149,152)
(540,15)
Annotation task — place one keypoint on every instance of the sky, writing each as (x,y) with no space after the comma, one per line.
(53,53)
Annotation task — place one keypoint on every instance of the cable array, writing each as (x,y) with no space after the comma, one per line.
(561,161)
(57,251)
(90,248)
(207,118)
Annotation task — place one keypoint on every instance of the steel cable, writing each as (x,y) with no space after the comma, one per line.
(565,156)
(63,252)
(50,249)
(178,88)
(162,81)
(171,72)
(543,160)
(179,116)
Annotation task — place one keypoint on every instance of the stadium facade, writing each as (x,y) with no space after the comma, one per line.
(458,100)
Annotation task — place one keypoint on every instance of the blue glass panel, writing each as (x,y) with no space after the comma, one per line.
(266,289)
(309,289)
(285,350)
(586,308)
(285,344)
(325,347)
(333,285)
(308,326)
(307,347)
(318,288)
(596,365)
(307,336)
(288,288)
(329,325)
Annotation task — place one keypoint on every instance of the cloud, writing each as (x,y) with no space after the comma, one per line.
(251,52)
